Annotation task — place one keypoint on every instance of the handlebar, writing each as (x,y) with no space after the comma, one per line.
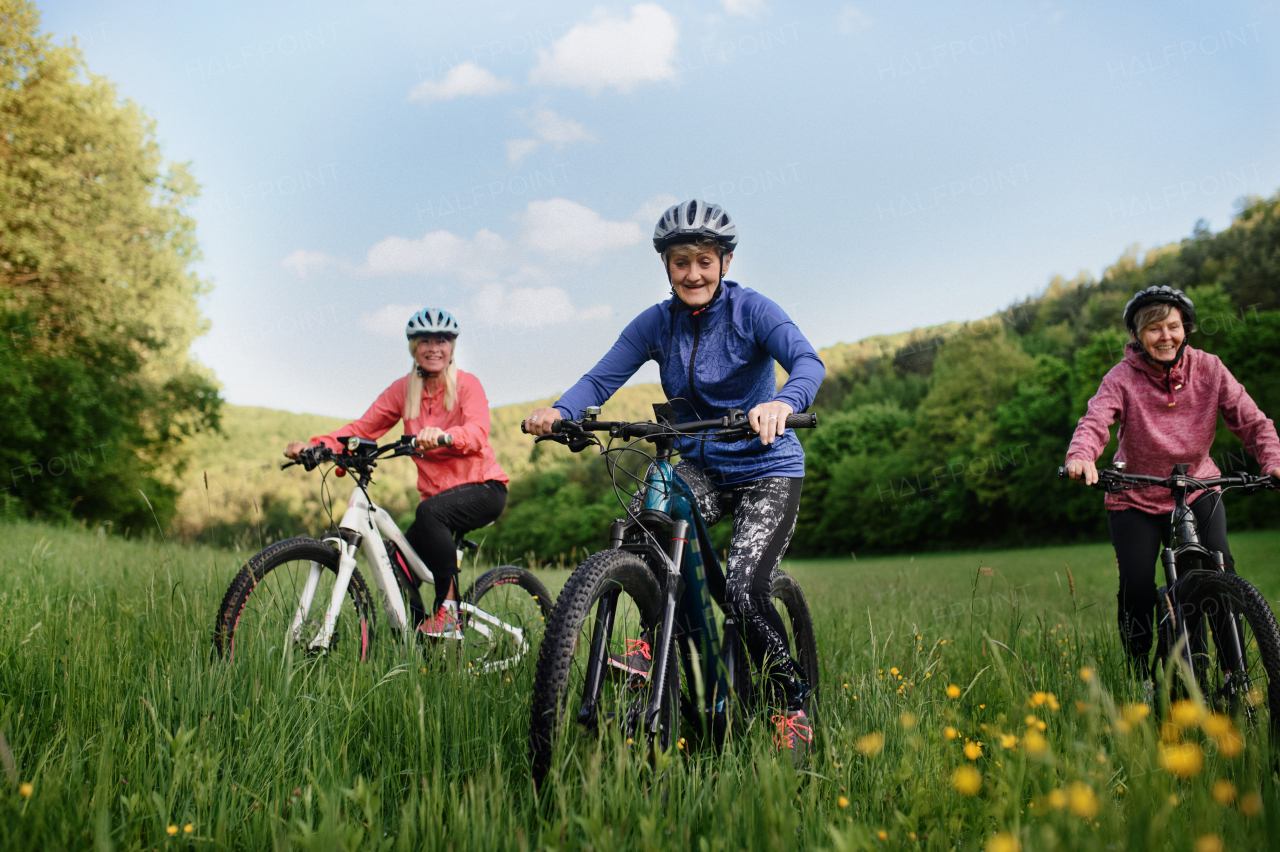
(734,426)
(365,453)
(1115,481)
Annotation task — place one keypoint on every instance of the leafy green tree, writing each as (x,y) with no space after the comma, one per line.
(96,292)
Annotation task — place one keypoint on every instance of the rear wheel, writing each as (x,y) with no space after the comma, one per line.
(258,610)
(1247,688)
(613,596)
(503,615)
(789,600)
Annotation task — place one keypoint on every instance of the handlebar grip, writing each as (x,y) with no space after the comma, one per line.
(1062,473)
(445,440)
(802,421)
(522,429)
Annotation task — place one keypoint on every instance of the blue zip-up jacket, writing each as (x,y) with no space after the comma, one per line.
(712,360)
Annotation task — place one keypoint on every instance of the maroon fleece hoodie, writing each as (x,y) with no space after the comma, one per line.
(1168,417)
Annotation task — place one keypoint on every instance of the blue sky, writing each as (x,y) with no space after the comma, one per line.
(890,165)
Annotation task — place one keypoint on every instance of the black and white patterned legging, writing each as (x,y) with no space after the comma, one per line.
(764,517)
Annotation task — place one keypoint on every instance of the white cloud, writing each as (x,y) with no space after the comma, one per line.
(561,226)
(388,321)
(612,51)
(548,127)
(518,149)
(439,252)
(852,20)
(531,307)
(746,8)
(466,79)
(305,262)
(653,207)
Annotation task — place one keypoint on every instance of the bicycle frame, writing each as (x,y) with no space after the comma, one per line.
(1185,541)
(668,507)
(365,523)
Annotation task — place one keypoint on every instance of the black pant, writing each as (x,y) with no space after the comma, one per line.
(1138,538)
(460,509)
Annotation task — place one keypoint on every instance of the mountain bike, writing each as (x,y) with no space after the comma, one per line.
(271,602)
(650,594)
(1216,621)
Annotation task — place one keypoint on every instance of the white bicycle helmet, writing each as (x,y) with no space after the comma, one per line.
(691,220)
(431,321)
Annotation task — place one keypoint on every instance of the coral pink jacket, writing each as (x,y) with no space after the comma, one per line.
(1168,418)
(470,459)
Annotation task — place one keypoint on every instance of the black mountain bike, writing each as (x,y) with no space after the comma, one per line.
(1220,625)
(633,641)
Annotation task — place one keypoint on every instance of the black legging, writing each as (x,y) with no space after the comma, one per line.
(764,517)
(461,508)
(1138,538)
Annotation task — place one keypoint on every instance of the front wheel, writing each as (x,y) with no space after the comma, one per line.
(503,615)
(1247,688)
(280,597)
(612,601)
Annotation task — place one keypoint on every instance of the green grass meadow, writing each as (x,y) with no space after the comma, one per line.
(122,733)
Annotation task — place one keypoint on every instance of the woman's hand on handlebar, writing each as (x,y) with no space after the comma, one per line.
(1082,469)
(539,421)
(429,438)
(769,420)
(295,448)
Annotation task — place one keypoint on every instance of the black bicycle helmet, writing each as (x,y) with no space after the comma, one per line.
(690,221)
(1160,295)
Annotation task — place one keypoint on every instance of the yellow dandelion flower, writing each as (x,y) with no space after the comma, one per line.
(173,829)
(943,642)
(973,751)
(1058,799)
(953,691)
(1185,713)
(1224,792)
(1031,721)
(1035,743)
(1086,674)
(950,732)
(1083,801)
(188,828)
(870,744)
(1123,727)
(1209,843)
(1182,759)
(1008,741)
(846,686)
(1230,744)
(893,671)
(842,802)
(882,834)
(1053,701)
(1003,842)
(966,780)
(1038,698)
(1216,724)
(1081,707)
(1135,713)
(907,720)
(982,707)
(25,789)
(1251,805)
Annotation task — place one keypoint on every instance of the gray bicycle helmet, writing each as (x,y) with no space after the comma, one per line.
(431,321)
(690,221)
(1160,295)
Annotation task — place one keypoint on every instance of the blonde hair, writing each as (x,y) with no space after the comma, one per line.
(413,390)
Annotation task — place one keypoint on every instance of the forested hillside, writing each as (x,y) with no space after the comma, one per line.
(950,436)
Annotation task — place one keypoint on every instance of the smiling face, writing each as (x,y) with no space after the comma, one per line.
(1162,338)
(433,352)
(696,272)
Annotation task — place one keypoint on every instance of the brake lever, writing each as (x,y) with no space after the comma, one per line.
(554,436)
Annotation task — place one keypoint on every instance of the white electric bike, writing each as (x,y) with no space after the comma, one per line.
(270,603)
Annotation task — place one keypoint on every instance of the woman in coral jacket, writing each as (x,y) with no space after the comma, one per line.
(462,485)
(1166,397)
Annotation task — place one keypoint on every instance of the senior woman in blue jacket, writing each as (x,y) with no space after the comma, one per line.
(715,343)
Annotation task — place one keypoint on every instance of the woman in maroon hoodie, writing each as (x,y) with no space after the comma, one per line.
(1167,398)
